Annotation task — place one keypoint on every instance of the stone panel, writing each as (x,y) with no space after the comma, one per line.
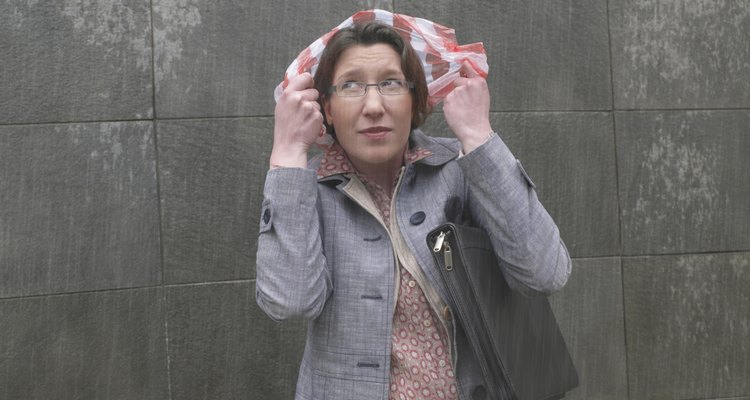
(212,174)
(590,314)
(684,181)
(680,54)
(732,398)
(687,322)
(73,61)
(225,58)
(222,346)
(543,55)
(88,346)
(570,157)
(78,208)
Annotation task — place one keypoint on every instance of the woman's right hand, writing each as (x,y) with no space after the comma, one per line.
(297,123)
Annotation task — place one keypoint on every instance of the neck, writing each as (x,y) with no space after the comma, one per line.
(384,174)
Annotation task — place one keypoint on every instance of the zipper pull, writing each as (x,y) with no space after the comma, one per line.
(448,254)
(439,242)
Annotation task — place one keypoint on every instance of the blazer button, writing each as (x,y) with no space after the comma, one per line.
(417,218)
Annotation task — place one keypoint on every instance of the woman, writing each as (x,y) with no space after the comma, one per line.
(342,237)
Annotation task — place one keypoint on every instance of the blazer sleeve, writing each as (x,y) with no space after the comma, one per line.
(503,201)
(292,279)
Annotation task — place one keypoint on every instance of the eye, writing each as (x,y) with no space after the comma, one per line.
(393,87)
(390,83)
(350,85)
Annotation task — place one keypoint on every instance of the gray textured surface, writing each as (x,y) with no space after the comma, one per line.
(225,60)
(211,175)
(680,54)
(74,61)
(571,159)
(78,208)
(684,181)
(543,55)
(688,325)
(222,346)
(589,311)
(88,204)
(92,346)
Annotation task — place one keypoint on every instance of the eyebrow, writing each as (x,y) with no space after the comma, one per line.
(355,74)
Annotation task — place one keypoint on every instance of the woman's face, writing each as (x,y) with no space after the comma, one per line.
(372,129)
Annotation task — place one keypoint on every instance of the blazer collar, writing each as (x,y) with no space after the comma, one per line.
(442,149)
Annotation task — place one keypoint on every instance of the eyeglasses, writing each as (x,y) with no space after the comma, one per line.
(389,87)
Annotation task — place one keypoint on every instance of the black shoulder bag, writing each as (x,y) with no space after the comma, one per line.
(515,337)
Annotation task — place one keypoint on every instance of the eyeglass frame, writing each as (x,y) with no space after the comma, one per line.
(409,86)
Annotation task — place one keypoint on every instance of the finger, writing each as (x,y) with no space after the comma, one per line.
(315,105)
(309,95)
(460,81)
(467,70)
(301,82)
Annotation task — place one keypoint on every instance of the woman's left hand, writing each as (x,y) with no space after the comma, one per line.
(467,109)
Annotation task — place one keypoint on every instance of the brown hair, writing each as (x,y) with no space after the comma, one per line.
(368,34)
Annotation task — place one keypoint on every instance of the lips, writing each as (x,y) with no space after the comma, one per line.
(375,132)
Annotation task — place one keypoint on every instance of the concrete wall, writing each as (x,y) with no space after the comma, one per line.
(134,138)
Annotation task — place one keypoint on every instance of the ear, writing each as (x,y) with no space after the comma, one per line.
(327,111)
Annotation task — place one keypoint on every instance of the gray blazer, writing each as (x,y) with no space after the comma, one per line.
(324,258)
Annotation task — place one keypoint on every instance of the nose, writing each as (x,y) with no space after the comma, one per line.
(373,106)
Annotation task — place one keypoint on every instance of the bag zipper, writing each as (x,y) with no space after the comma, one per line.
(440,244)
